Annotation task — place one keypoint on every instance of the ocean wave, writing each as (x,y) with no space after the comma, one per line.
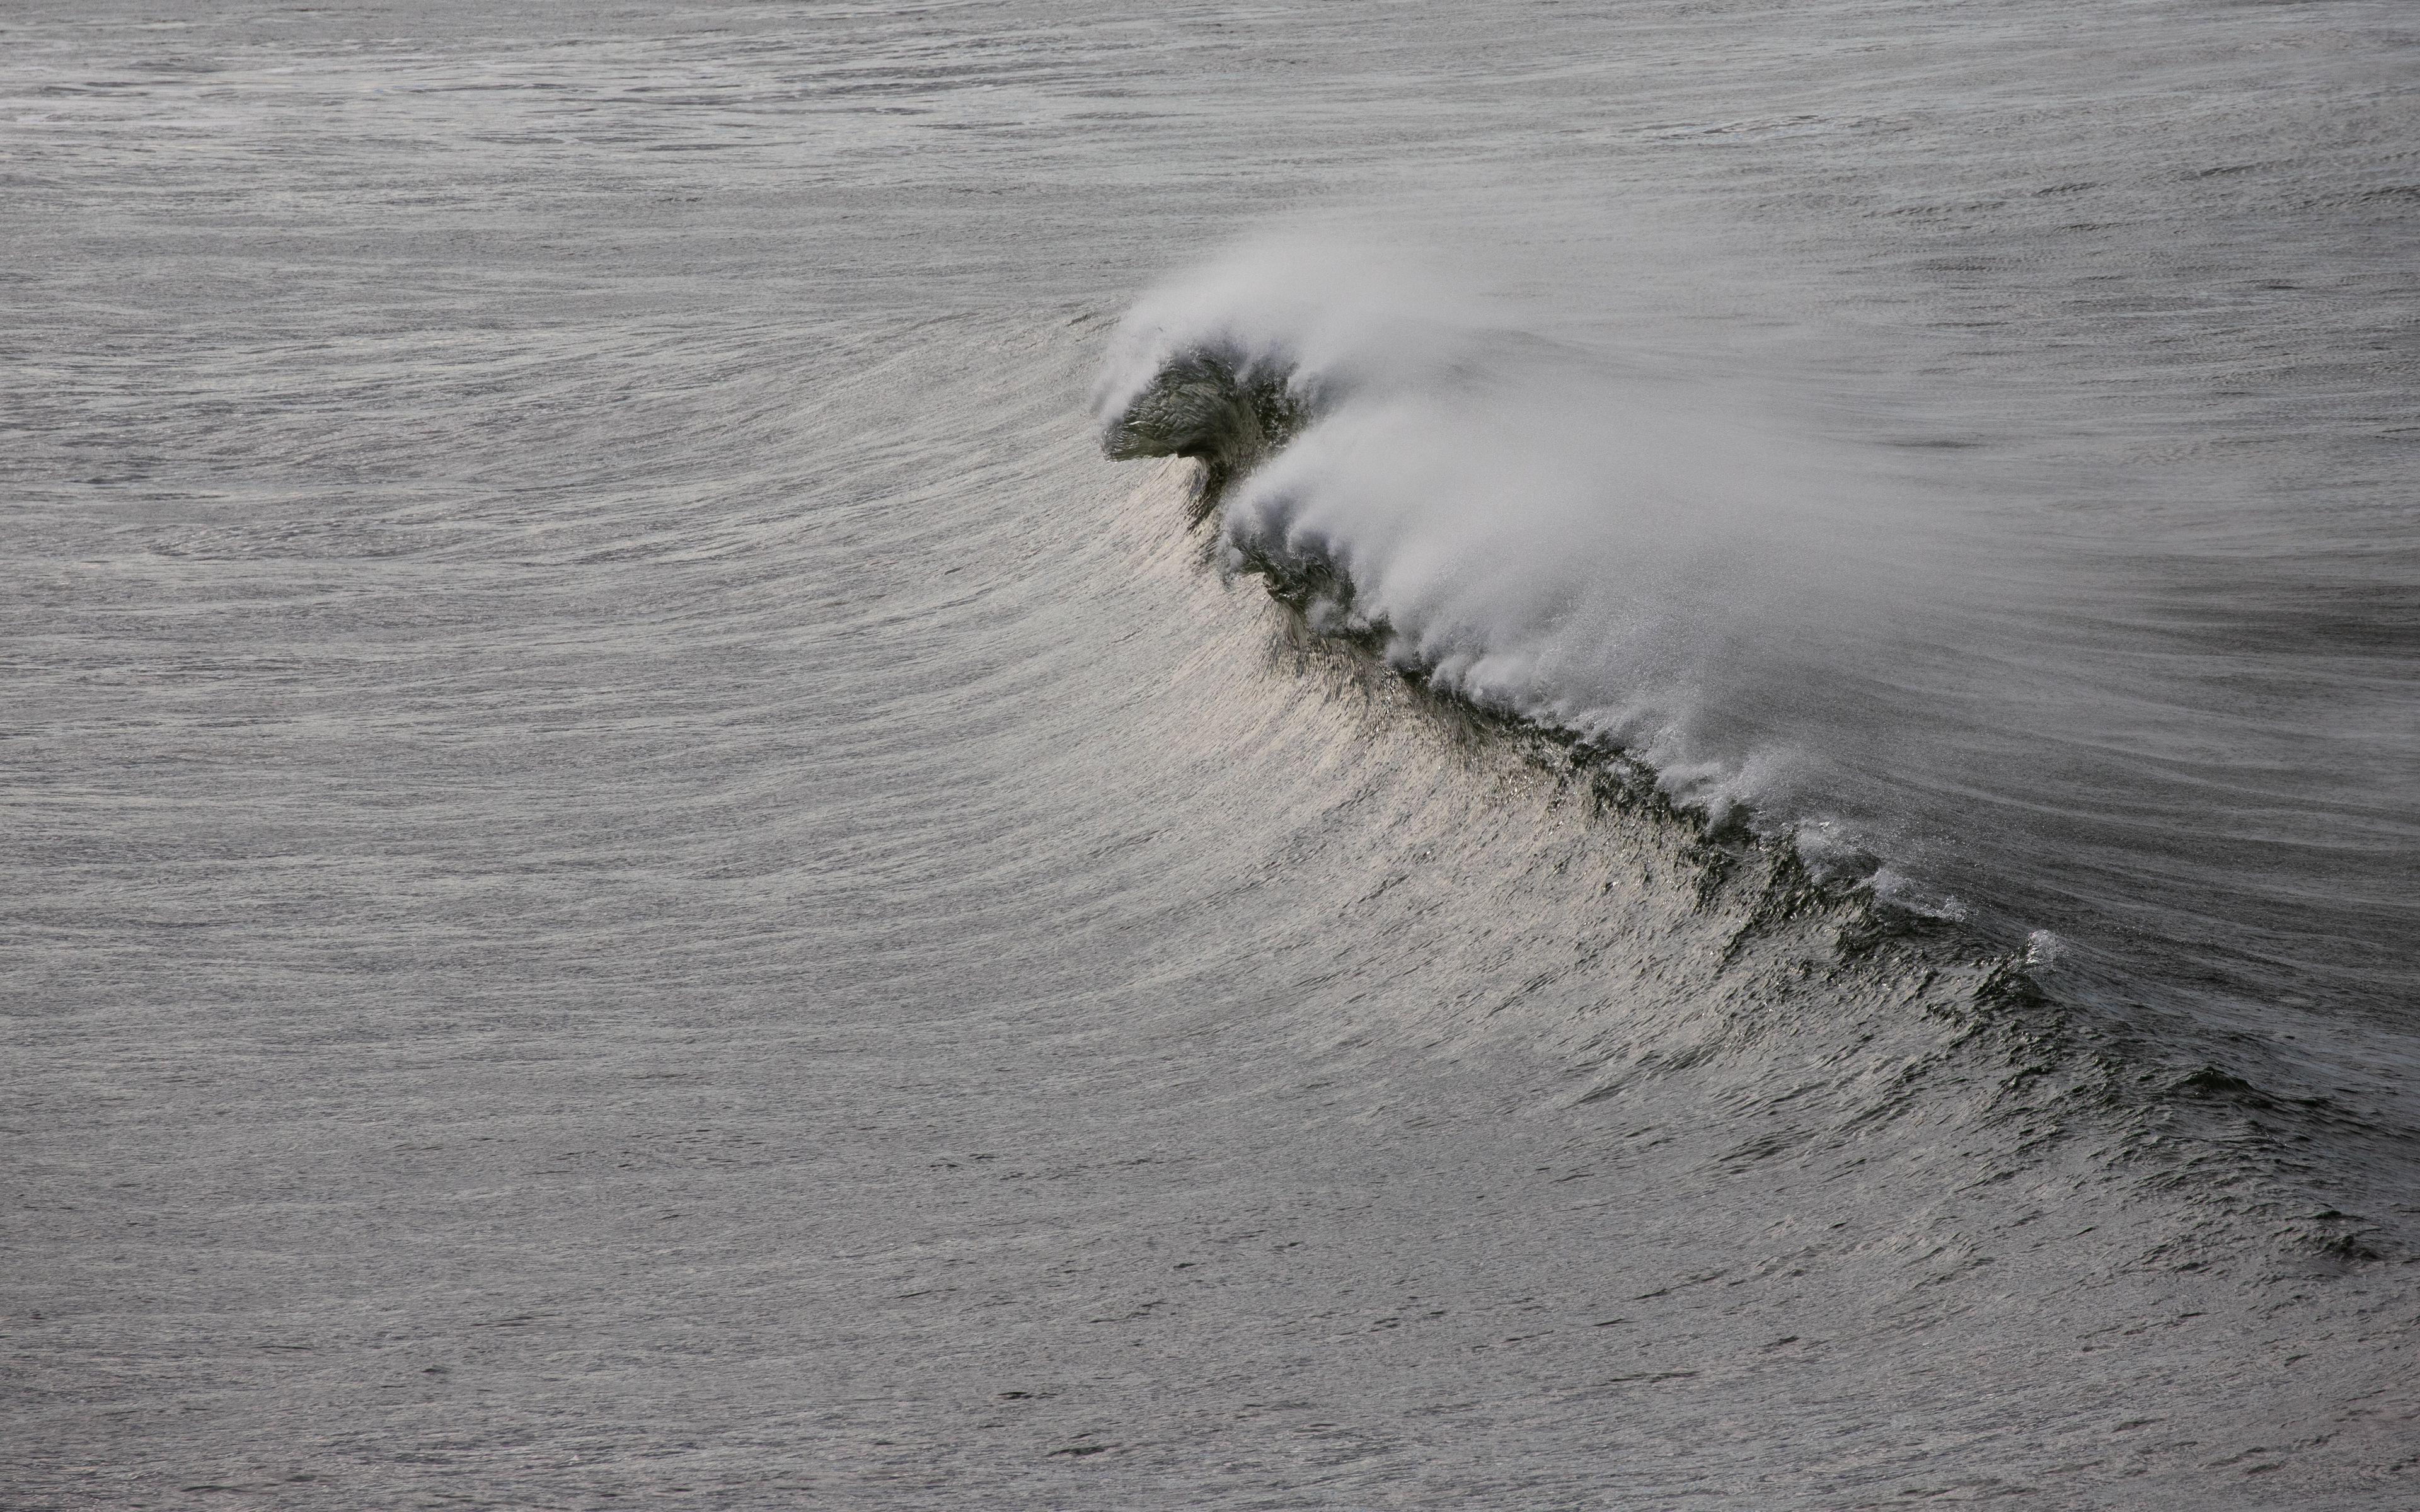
(1644,566)
(1668,592)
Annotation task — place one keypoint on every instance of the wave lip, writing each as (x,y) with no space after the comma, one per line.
(1212,408)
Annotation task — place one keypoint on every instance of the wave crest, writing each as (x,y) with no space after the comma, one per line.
(1522,519)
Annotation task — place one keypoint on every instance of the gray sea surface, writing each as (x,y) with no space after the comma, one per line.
(632,873)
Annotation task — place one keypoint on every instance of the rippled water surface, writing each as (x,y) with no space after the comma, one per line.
(635,872)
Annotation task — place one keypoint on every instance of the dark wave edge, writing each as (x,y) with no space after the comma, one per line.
(1229,411)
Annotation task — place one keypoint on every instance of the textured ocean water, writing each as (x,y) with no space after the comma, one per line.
(1743,833)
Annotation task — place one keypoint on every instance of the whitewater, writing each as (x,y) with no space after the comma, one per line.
(1016,755)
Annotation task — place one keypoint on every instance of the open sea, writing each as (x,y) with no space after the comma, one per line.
(1529,755)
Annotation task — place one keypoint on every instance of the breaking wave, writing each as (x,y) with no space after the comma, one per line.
(1807,605)
(1831,670)
(1649,566)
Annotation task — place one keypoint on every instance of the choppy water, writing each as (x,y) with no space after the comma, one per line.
(635,872)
